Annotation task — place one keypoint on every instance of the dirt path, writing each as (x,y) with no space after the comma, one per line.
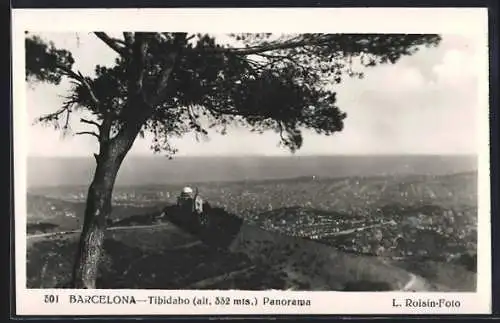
(408,286)
(349,231)
(418,284)
(131,227)
(152,226)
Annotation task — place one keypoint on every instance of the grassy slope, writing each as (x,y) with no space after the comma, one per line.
(289,206)
(167,258)
(134,259)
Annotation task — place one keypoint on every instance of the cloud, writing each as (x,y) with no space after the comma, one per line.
(456,68)
(424,103)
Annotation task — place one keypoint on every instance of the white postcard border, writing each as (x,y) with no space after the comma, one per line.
(359,20)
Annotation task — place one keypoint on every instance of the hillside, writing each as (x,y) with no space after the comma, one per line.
(167,258)
(424,225)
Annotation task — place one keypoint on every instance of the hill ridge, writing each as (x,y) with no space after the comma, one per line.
(78,171)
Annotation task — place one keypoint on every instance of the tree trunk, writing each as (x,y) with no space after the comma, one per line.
(97,211)
(111,154)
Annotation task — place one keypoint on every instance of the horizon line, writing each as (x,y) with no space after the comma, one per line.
(264,155)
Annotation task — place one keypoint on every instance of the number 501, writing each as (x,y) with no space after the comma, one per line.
(51,299)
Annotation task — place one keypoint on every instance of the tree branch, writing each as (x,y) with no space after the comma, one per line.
(281,130)
(129,38)
(88,133)
(171,59)
(112,43)
(279,58)
(104,127)
(82,120)
(50,116)
(79,77)
(66,122)
(55,116)
(137,104)
(266,48)
(138,63)
(193,117)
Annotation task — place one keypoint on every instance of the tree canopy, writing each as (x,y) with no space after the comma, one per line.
(177,83)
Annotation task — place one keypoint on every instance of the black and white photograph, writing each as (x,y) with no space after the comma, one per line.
(197,159)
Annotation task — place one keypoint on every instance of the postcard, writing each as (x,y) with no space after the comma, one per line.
(251,161)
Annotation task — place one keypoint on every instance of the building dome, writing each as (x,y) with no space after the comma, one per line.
(187,190)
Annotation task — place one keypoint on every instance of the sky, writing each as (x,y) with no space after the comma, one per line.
(424,104)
